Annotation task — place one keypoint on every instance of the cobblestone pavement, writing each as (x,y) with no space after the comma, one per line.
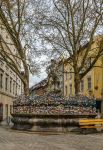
(14,140)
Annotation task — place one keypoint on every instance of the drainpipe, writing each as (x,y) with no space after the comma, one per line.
(102,91)
(102,80)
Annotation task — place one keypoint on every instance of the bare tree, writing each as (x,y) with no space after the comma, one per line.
(14,21)
(70,27)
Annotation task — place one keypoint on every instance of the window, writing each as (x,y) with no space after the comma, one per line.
(66,76)
(81,85)
(6,83)
(7,68)
(70,88)
(66,90)
(89,83)
(1,81)
(10,85)
(1,109)
(19,90)
(70,73)
(6,110)
(58,84)
(11,109)
(14,88)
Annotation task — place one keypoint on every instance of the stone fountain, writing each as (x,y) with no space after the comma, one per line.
(51,112)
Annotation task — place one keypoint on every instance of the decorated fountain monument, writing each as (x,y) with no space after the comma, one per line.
(51,112)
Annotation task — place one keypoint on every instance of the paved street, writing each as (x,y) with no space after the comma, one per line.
(14,140)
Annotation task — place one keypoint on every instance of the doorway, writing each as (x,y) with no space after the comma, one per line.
(98,105)
(1,112)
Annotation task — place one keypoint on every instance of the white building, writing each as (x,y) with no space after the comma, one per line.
(10,83)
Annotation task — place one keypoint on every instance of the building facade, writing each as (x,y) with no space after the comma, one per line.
(91,84)
(10,83)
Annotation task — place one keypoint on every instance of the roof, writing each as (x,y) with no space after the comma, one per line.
(42,83)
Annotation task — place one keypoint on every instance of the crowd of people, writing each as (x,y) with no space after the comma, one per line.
(54,104)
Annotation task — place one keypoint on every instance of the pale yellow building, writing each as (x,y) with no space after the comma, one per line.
(92,83)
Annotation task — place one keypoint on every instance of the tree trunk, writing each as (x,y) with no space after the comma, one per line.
(26,89)
(77,83)
(26,81)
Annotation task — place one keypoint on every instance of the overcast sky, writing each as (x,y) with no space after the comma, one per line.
(37,78)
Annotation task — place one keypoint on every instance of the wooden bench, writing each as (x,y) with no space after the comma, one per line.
(86,124)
